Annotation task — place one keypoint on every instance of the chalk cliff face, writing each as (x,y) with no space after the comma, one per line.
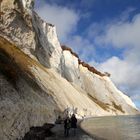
(39,79)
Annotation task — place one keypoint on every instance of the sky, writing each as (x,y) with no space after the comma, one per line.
(104,33)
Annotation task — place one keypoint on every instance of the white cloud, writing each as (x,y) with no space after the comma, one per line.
(125,72)
(123,34)
(81,46)
(65,19)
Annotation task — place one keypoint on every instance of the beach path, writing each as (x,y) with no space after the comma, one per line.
(58,131)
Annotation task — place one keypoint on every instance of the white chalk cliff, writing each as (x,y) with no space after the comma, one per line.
(39,79)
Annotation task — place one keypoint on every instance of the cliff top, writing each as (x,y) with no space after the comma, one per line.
(84,64)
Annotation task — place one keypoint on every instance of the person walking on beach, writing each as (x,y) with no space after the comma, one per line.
(74,123)
(67,125)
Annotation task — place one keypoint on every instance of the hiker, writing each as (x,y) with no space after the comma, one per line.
(74,123)
(58,120)
(67,125)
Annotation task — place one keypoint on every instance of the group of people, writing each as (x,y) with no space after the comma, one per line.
(70,123)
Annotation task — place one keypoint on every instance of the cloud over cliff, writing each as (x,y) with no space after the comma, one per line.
(125,71)
(112,45)
(64,18)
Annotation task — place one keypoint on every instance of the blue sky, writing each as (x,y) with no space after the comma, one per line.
(105,33)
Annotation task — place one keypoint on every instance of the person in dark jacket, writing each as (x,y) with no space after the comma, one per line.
(67,125)
(74,123)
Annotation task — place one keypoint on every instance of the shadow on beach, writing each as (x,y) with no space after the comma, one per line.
(56,132)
